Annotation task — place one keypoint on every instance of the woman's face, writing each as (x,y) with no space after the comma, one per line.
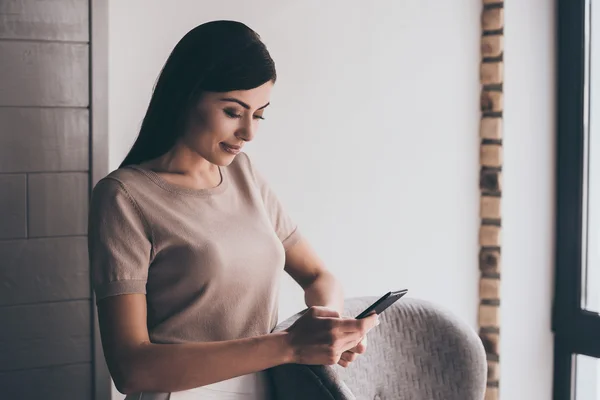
(222,123)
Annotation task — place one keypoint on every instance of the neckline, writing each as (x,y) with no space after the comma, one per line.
(173,188)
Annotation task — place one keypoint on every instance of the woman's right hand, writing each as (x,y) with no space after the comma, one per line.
(320,336)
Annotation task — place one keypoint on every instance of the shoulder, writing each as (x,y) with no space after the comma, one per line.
(126,176)
(116,184)
(242,161)
(242,165)
(112,201)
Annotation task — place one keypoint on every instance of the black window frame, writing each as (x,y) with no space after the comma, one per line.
(576,331)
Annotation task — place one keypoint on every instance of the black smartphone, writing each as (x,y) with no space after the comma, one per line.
(384,302)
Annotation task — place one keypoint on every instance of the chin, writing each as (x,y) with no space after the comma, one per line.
(224,160)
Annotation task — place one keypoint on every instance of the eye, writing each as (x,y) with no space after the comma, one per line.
(232,114)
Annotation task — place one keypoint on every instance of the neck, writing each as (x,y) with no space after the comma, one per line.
(182,160)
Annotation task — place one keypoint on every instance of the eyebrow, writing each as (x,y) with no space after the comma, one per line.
(241,103)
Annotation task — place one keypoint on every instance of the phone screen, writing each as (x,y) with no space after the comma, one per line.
(382,303)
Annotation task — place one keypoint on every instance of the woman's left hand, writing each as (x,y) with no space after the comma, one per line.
(350,355)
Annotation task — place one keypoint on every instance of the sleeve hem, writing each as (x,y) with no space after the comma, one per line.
(115,288)
(292,239)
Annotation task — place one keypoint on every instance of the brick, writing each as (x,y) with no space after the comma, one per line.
(490,180)
(44,270)
(53,383)
(489,235)
(491,73)
(58,204)
(44,74)
(493,371)
(489,316)
(492,19)
(491,155)
(489,261)
(13,207)
(44,139)
(491,342)
(490,207)
(491,101)
(47,334)
(491,128)
(491,393)
(489,288)
(492,46)
(44,20)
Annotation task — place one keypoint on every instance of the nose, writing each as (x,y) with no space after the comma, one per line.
(247,132)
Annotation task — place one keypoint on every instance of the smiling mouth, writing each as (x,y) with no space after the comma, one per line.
(231,148)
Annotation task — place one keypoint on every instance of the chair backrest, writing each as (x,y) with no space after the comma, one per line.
(419,352)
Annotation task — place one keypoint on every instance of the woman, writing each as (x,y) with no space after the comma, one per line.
(187,241)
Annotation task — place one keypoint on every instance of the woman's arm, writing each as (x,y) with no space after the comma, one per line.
(320,287)
(137,365)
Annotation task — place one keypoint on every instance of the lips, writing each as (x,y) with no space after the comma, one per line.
(232,149)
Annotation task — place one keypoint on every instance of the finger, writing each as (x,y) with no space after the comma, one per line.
(349,325)
(343,363)
(353,325)
(321,311)
(371,322)
(351,341)
(349,356)
(358,344)
(361,347)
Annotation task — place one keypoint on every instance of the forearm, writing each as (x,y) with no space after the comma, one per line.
(176,367)
(326,291)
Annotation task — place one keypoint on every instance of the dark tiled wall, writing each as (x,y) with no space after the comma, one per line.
(45,301)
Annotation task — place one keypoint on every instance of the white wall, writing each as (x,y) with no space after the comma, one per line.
(528,200)
(371,140)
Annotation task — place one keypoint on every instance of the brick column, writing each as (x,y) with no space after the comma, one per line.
(491,77)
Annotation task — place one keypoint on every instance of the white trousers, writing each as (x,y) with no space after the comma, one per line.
(246,387)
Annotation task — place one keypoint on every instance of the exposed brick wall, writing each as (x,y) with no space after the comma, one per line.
(490,183)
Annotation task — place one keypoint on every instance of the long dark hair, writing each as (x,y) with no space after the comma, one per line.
(218,56)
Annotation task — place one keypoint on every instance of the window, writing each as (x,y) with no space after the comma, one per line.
(576,318)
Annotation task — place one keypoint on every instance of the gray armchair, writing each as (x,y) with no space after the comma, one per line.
(419,352)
